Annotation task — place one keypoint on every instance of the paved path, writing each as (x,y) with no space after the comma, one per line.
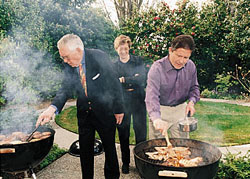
(238,102)
(69,167)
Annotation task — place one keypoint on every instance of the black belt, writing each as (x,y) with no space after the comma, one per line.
(172,105)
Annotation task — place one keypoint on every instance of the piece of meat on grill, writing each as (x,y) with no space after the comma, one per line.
(190,163)
(37,135)
(46,133)
(174,162)
(34,140)
(44,137)
(152,155)
(163,150)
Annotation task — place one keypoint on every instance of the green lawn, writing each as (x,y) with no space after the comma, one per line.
(220,124)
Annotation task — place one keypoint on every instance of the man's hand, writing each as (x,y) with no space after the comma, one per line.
(46,116)
(190,108)
(160,125)
(119,118)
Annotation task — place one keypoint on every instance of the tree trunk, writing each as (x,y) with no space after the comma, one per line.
(125,9)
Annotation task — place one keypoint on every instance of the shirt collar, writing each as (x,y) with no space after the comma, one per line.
(169,66)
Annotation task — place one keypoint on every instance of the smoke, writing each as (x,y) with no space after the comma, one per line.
(27,73)
(209,133)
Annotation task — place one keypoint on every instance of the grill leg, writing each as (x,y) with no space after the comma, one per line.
(32,173)
(26,174)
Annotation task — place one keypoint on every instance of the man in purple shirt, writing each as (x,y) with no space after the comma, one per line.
(172,89)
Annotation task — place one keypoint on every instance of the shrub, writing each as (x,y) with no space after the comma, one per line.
(54,154)
(234,166)
(208,94)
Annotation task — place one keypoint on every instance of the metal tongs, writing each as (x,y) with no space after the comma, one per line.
(30,136)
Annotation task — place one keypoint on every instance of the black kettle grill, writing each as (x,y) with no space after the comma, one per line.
(75,148)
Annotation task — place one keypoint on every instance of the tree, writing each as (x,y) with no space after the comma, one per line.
(125,9)
(75,3)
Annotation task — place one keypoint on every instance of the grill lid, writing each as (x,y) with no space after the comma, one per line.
(74,149)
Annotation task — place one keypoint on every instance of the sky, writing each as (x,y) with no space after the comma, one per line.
(111,8)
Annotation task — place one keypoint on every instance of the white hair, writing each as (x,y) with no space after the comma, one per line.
(72,41)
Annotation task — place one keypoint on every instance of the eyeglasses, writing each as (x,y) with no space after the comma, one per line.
(64,57)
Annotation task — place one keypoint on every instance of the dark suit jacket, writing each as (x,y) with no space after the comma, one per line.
(131,81)
(104,90)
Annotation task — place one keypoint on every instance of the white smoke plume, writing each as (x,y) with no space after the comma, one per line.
(27,73)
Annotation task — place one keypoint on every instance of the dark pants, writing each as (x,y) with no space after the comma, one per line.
(134,106)
(87,127)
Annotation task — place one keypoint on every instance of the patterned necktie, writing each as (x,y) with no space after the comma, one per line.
(83,78)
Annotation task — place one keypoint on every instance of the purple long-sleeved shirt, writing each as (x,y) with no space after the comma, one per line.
(168,86)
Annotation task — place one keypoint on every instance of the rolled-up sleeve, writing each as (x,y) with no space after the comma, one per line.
(153,93)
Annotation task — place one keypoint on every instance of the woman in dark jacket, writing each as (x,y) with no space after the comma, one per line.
(132,75)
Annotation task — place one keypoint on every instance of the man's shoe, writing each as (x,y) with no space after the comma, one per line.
(125,169)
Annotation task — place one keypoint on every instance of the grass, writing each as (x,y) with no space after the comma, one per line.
(220,124)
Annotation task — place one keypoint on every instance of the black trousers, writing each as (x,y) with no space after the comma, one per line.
(106,130)
(134,106)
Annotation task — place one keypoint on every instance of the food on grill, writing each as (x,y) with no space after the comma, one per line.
(16,142)
(174,156)
(37,135)
(44,137)
(34,140)
(46,133)
(190,163)
(20,137)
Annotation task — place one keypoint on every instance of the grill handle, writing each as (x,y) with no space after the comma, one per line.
(167,173)
(7,150)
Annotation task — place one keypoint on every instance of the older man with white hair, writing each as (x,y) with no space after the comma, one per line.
(88,74)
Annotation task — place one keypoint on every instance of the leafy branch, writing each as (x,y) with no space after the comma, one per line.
(243,77)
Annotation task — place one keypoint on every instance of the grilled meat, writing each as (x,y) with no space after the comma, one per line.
(20,137)
(174,156)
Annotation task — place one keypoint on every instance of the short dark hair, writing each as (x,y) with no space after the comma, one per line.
(183,41)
